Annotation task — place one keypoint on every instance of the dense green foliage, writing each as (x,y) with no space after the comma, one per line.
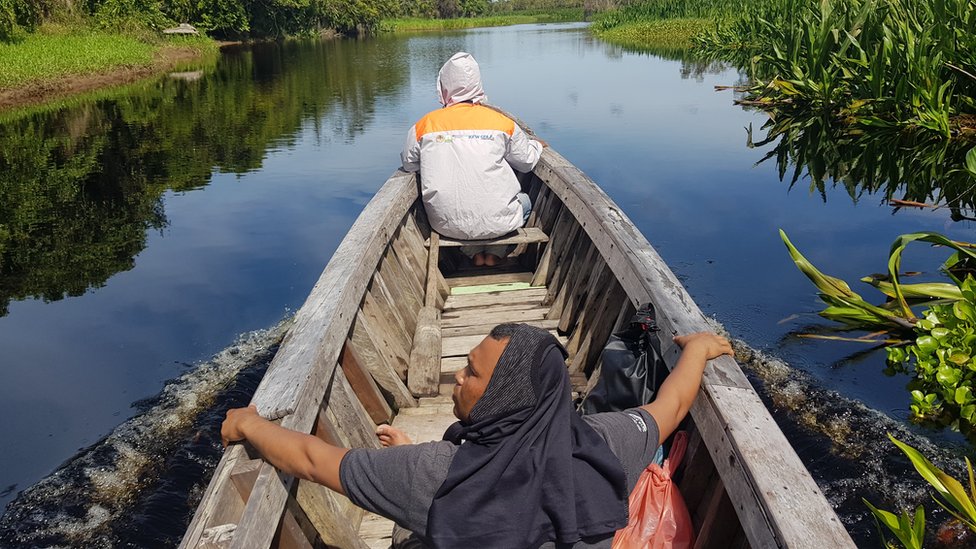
(420,14)
(658,10)
(80,187)
(876,63)
(937,348)
(226,19)
(873,63)
(943,359)
(874,95)
(432,24)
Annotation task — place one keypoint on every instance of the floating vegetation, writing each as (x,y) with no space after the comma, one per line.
(904,64)
(670,35)
(936,348)
(952,497)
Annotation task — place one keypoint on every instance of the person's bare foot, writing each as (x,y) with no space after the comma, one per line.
(391,436)
(491,260)
(479,259)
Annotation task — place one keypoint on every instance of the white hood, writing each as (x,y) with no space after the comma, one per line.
(459,80)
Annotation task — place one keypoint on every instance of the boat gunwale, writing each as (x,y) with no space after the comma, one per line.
(296,381)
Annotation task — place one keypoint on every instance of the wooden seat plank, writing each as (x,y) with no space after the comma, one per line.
(492,278)
(525,235)
(472,312)
(376,531)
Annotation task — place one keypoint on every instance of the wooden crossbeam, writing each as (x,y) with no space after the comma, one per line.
(525,235)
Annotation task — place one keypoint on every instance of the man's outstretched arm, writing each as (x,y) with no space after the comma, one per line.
(680,388)
(300,455)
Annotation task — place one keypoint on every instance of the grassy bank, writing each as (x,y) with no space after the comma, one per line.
(54,55)
(668,34)
(421,24)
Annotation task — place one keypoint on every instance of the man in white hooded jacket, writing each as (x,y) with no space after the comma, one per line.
(466,153)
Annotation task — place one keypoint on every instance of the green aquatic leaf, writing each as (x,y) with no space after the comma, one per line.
(921,464)
(894,260)
(962,395)
(844,304)
(926,344)
(910,535)
(922,290)
(959,358)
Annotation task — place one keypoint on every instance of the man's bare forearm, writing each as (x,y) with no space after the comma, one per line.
(678,392)
(301,455)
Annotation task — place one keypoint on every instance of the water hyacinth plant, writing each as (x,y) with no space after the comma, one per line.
(937,348)
(949,494)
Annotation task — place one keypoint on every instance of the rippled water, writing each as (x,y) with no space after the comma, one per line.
(142,231)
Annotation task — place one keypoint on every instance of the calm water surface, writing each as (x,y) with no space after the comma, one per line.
(159,235)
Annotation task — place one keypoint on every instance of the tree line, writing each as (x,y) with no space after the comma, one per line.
(243,19)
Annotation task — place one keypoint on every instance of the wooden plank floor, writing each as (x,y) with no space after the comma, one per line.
(466,320)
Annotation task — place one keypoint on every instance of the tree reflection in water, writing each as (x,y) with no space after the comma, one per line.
(913,167)
(81,186)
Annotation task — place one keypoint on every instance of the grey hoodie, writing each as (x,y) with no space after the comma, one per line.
(466,154)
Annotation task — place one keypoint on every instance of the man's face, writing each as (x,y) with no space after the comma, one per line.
(472,380)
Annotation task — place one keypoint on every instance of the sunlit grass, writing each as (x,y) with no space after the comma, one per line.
(48,56)
(43,56)
(671,34)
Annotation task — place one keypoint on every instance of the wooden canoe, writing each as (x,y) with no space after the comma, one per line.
(383,326)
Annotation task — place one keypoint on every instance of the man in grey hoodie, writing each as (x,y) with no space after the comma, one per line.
(467,155)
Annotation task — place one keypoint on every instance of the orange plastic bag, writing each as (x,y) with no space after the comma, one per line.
(659,518)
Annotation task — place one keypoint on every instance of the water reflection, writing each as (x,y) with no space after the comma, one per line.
(913,167)
(80,187)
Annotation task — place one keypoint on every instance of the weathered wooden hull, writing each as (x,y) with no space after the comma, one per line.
(346,367)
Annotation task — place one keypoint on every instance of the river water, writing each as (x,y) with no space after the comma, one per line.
(154,241)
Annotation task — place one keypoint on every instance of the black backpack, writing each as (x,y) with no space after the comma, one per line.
(632,369)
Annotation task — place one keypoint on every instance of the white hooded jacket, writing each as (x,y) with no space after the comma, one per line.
(466,153)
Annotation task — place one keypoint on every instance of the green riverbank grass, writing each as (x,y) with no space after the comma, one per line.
(41,57)
(669,34)
(205,62)
(44,57)
(417,24)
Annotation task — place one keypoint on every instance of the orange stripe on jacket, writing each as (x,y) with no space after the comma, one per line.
(464,116)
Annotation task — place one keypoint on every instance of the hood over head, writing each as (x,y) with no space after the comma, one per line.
(528,457)
(459,80)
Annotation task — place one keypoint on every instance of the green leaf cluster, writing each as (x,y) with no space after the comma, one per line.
(224,19)
(950,494)
(942,358)
(941,354)
(886,63)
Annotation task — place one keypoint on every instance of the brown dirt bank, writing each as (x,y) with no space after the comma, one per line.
(163,60)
